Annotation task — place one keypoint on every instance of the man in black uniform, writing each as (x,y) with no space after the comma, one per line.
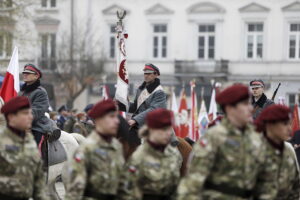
(259,99)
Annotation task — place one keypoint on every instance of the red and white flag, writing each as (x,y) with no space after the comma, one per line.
(11,83)
(123,79)
(174,108)
(183,116)
(194,128)
(212,113)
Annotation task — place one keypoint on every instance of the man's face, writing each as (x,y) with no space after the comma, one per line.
(241,112)
(65,113)
(30,78)
(281,131)
(160,136)
(22,120)
(108,124)
(257,91)
(149,77)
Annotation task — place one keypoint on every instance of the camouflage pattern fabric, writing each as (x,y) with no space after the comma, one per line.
(21,174)
(96,167)
(284,165)
(80,128)
(227,157)
(150,171)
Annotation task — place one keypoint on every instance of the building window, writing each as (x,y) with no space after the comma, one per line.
(160,41)
(294,41)
(293,99)
(254,35)
(206,42)
(112,41)
(6,4)
(48,3)
(48,51)
(5,45)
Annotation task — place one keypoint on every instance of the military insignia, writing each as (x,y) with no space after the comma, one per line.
(11,148)
(132,169)
(78,157)
(232,142)
(101,153)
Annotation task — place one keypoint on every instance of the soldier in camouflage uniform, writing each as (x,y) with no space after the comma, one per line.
(153,171)
(21,174)
(275,123)
(229,161)
(94,172)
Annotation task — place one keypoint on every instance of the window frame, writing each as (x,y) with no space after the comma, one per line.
(49,4)
(206,35)
(160,37)
(255,35)
(48,61)
(6,51)
(297,41)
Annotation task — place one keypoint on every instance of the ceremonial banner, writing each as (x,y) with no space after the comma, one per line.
(11,83)
(183,115)
(194,128)
(203,118)
(212,113)
(122,79)
(174,108)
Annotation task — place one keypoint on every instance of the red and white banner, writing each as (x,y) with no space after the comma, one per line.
(123,79)
(194,128)
(295,120)
(11,83)
(183,116)
(174,108)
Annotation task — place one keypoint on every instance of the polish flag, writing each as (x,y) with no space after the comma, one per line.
(11,83)
(183,115)
(174,108)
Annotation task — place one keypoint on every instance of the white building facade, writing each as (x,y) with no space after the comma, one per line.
(224,40)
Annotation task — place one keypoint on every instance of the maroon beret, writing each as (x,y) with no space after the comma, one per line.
(159,118)
(272,113)
(101,108)
(15,104)
(233,94)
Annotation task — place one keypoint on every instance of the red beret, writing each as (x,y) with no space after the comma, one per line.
(159,118)
(15,104)
(233,95)
(101,108)
(272,113)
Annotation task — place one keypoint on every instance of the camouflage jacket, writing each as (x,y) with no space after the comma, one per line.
(225,163)
(284,165)
(21,174)
(95,169)
(152,172)
(79,127)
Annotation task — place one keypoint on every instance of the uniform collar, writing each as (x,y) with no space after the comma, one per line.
(102,142)
(16,138)
(155,152)
(234,130)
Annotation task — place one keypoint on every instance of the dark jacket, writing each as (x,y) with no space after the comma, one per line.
(260,105)
(38,98)
(157,99)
